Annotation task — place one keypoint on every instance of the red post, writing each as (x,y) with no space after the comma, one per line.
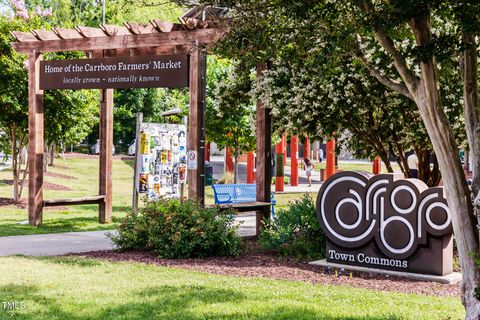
(228,160)
(306,148)
(284,139)
(250,166)
(279,178)
(377,165)
(294,161)
(330,159)
(207,151)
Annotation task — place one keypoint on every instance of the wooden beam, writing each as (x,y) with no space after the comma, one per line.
(140,28)
(89,32)
(73,201)
(63,33)
(24,36)
(106,156)
(174,38)
(45,35)
(195,177)
(163,26)
(264,155)
(112,30)
(35,141)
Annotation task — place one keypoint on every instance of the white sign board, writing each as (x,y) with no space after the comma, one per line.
(192,160)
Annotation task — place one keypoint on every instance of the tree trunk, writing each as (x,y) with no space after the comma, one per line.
(53,150)
(15,166)
(427,98)
(471,105)
(235,166)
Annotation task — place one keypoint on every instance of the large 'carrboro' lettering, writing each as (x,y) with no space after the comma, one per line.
(385,221)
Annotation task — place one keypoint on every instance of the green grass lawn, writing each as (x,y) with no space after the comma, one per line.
(85,217)
(77,289)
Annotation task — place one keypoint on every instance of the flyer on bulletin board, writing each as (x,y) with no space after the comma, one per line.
(162,160)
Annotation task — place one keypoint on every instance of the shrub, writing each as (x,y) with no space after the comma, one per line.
(295,231)
(175,229)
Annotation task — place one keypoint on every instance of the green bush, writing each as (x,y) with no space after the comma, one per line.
(295,231)
(175,229)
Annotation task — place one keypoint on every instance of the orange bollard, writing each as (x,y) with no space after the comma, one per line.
(330,159)
(377,165)
(228,160)
(250,166)
(294,161)
(306,148)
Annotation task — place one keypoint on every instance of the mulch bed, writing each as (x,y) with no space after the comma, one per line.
(22,204)
(258,264)
(46,185)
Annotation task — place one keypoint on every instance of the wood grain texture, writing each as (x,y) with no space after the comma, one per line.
(45,35)
(73,201)
(24,36)
(106,156)
(174,38)
(35,144)
(264,155)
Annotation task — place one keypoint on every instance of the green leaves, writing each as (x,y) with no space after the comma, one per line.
(175,229)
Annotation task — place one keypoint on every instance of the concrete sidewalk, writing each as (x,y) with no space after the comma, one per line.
(55,244)
(76,242)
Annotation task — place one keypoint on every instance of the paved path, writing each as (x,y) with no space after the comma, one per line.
(76,242)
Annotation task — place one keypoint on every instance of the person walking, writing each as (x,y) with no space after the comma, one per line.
(308,167)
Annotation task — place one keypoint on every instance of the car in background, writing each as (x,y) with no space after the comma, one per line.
(95,148)
(131,148)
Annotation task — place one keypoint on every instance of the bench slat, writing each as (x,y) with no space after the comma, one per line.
(73,201)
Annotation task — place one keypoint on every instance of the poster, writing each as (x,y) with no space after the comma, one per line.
(162,160)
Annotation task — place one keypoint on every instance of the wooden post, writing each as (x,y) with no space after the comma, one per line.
(250,166)
(306,148)
(294,161)
(106,156)
(377,165)
(279,174)
(137,164)
(195,176)
(228,160)
(264,156)
(35,141)
(330,159)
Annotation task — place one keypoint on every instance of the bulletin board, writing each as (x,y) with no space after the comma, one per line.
(161,160)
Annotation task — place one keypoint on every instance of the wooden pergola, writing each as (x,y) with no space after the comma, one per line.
(191,38)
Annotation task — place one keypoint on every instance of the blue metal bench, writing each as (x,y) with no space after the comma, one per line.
(242,195)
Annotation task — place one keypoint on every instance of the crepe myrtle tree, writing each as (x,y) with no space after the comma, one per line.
(415,36)
(344,97)
(231,122)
